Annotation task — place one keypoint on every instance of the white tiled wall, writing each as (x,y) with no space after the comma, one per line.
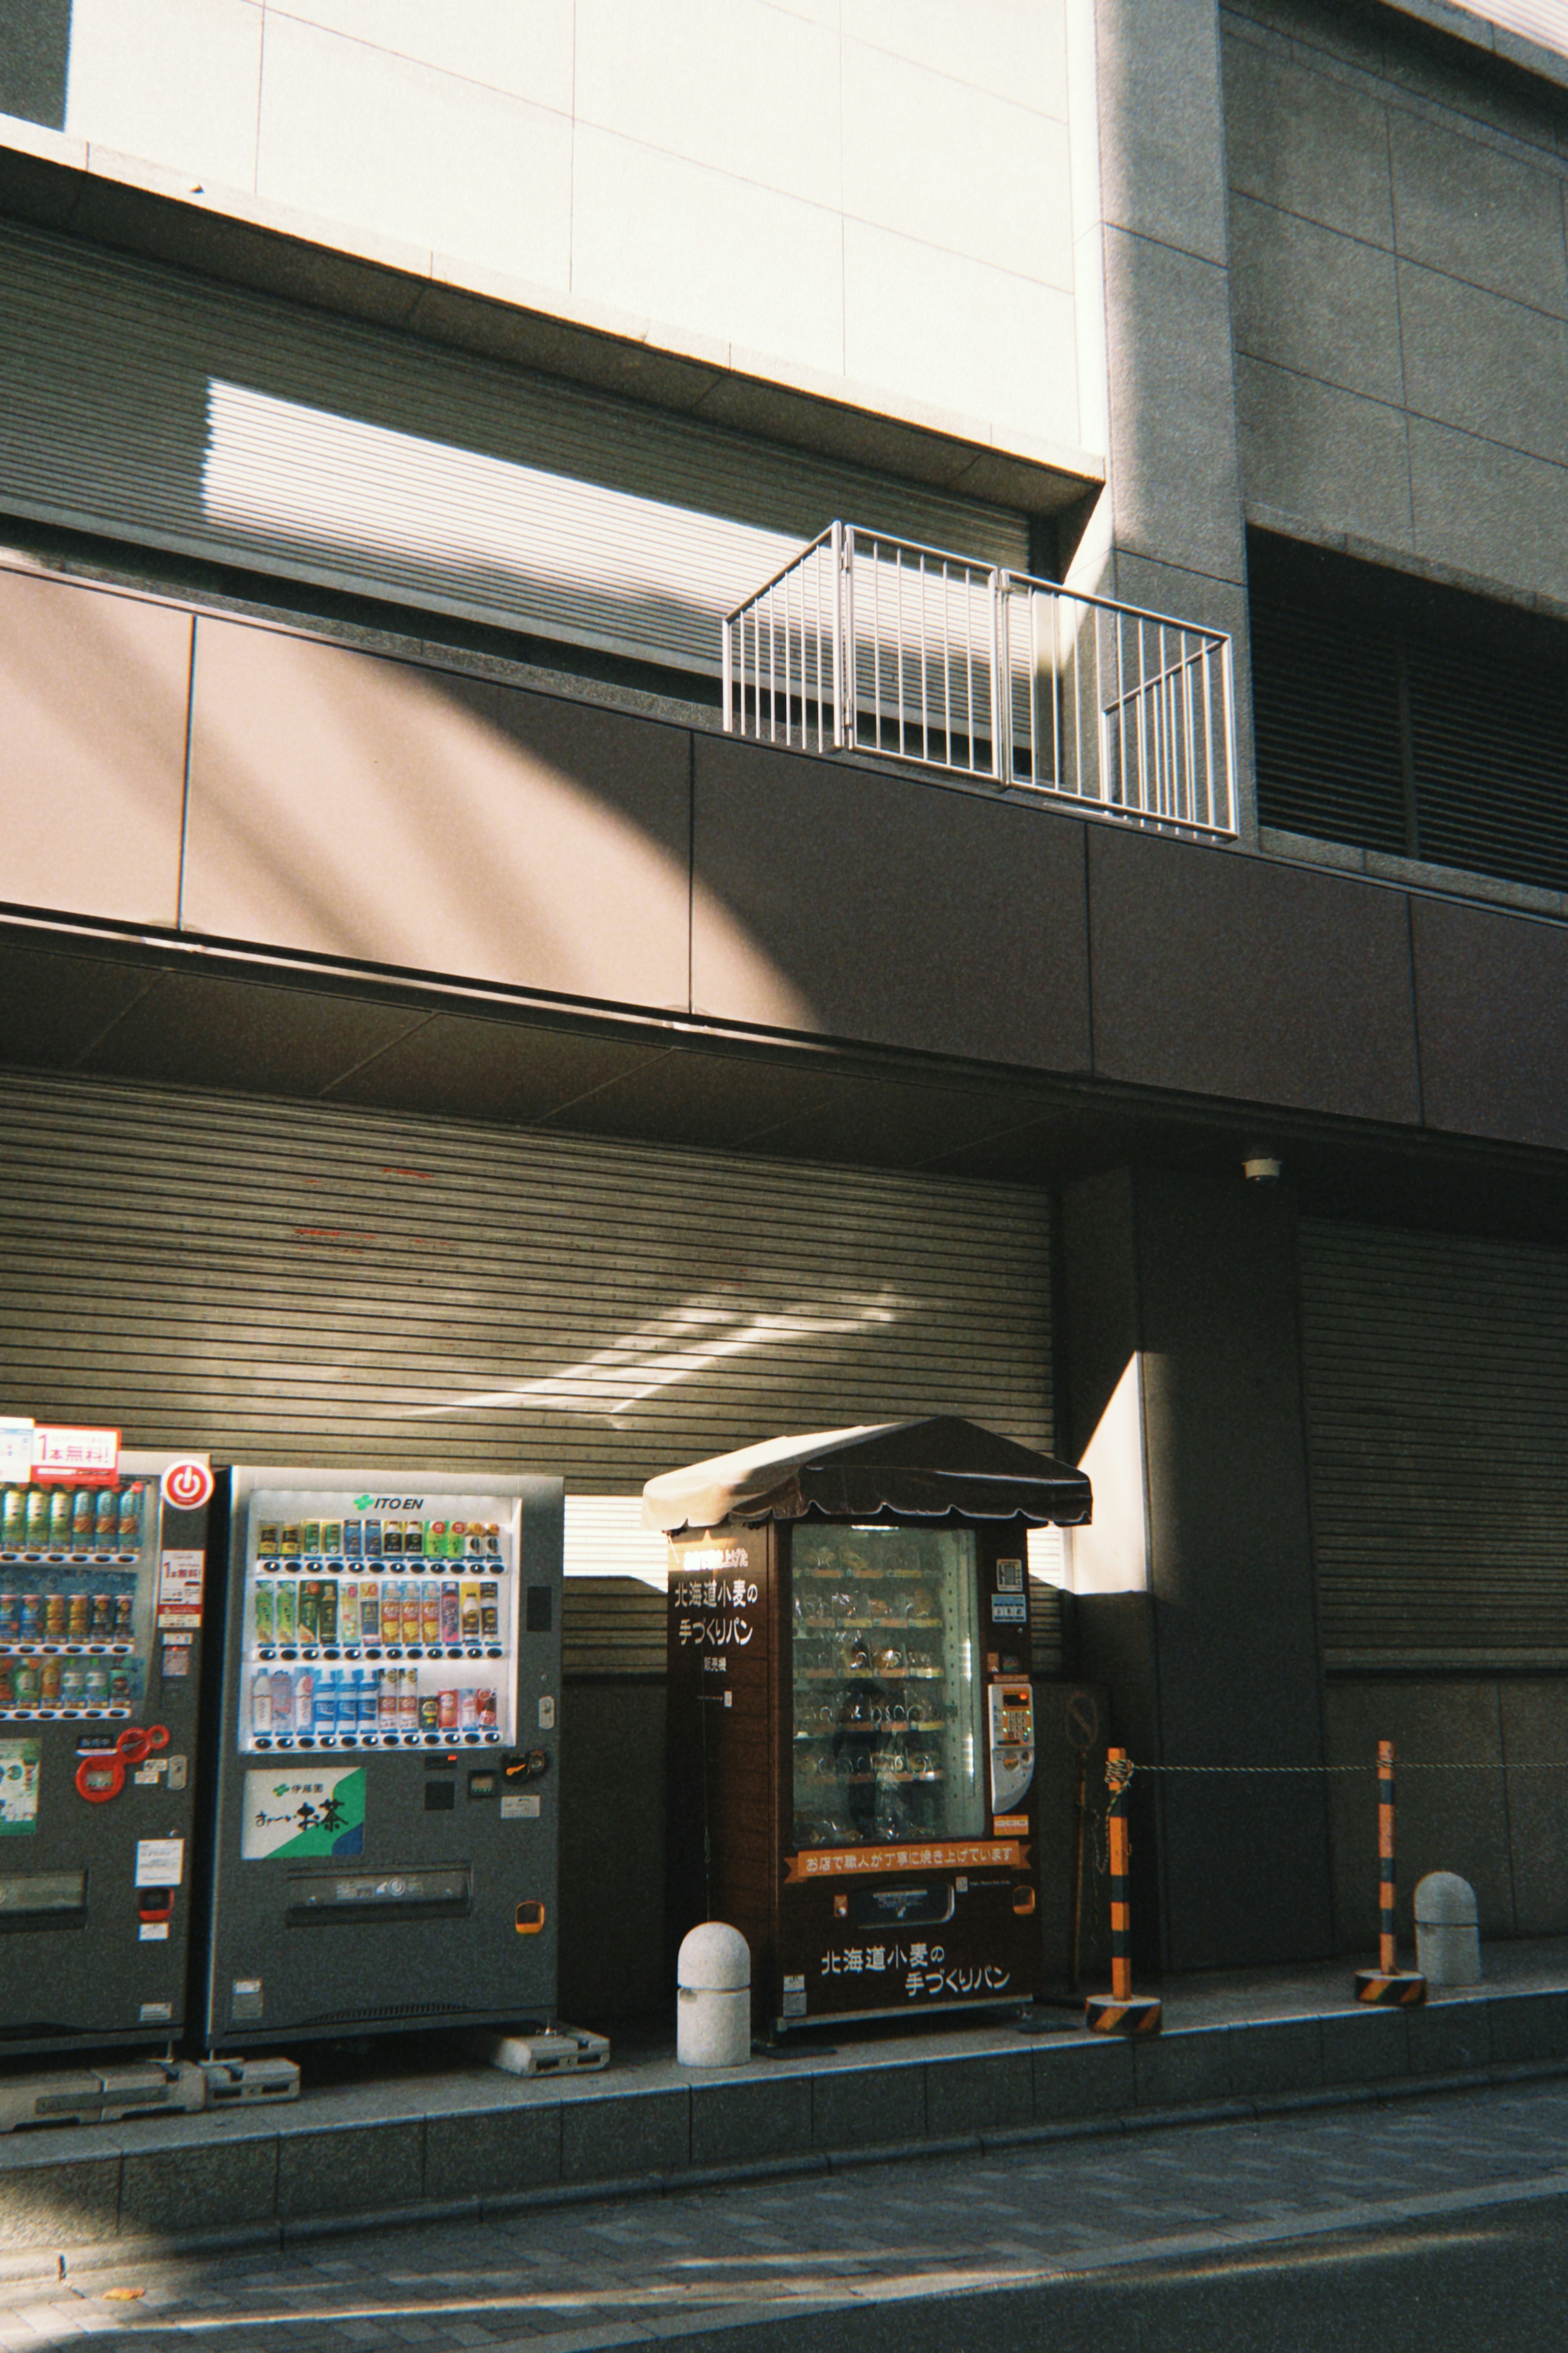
(876,188)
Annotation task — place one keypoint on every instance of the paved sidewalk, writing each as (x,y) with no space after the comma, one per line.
(655,2270)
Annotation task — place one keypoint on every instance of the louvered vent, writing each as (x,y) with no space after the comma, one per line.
(1437,1376)
(1411,720)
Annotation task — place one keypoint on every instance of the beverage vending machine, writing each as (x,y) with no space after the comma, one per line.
(103,1559)
(385,1754)
(851,1713)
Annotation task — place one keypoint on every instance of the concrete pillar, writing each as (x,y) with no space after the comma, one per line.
(1190,1280)
(1152,268)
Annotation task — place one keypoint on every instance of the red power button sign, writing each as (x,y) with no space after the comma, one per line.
(187,1486)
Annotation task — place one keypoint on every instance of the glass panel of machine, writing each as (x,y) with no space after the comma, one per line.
(885,1686)
(367,1630)
(77,1580)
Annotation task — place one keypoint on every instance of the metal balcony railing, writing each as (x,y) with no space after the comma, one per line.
(872,644)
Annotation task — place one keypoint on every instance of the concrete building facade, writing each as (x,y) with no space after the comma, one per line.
(426,1024)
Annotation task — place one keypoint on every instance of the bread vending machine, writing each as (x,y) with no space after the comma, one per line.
(851,1713)
(384,1845)
(103,1589)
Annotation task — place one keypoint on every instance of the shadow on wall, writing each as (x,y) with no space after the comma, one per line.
(35,53)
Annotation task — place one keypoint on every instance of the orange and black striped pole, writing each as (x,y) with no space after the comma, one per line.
(1123,2013)
(1387,1983)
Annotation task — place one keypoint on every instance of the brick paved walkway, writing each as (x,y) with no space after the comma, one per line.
(635,2272)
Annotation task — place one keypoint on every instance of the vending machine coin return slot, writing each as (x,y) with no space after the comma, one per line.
(901,1907)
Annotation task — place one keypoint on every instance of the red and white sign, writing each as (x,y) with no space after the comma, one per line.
(188,1484)
(88,1458)
(180,1588)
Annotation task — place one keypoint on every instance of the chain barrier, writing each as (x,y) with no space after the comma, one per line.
(1126,1770)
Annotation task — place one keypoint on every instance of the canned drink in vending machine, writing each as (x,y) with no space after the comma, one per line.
(490,1612)
(54,1617)
(26,1681)
(372,1533)
(10,1617)
(78,1618)
(429,1711)
(470,1613)
(124,1616)
(354,1531)
(49,1682)
(447,1710)
(102,1617)
(32,1617)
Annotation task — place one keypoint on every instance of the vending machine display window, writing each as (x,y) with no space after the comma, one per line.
(885,1658)
(78,1584)
(374,1631)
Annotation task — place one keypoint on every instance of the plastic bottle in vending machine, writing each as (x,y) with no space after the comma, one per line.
(468,1709)
(348,1616)
(388,1685)
(38,1520)
(368,1708)
(282,1700)
(327,1609)
(326,1701)
(368,1613)
(451,1623)
(261,1704)
(130,1515)
(82,1518)
(265,1613)
(430,1616)
(489,1611)
(305,1698)
(470,1613)
(60,1503)
(310,1611)
(409,1700)
(106,1520)
(288,1613)
(13,1519)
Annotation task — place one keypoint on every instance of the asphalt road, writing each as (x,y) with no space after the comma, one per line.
(1438,2222)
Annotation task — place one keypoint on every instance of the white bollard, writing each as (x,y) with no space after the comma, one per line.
(1447,1940)
(714,2001)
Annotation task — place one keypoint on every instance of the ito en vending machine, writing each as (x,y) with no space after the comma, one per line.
(851,1721)
(384,1832)
(102,1558)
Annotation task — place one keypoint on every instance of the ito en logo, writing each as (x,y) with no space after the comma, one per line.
(187,1486)
(363,1503)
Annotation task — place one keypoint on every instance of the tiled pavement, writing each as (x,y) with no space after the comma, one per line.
(654,2270)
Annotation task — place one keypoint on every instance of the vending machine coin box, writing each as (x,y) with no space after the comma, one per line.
(102,1595)
(851,1728)
(384,1849)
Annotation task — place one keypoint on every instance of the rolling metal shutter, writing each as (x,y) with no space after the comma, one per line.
(1436,1372)
(164,409)
(295,1283)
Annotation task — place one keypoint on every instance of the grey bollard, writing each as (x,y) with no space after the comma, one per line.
(713,2002)
(1447,1940)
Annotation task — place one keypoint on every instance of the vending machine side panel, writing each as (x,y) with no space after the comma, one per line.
(385,1842)
(100,1635)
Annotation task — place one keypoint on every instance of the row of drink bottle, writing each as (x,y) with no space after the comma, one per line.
(321,1609)
(369,1539)
(72,1519)
(350,1699)
(64,1682)
(66,1616)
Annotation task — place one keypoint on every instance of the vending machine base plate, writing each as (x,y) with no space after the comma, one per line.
(245,2082)
(544,2050)
(102,2095)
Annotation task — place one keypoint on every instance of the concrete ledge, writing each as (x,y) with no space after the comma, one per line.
(467,2143)
(65,184)
(122,2250)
